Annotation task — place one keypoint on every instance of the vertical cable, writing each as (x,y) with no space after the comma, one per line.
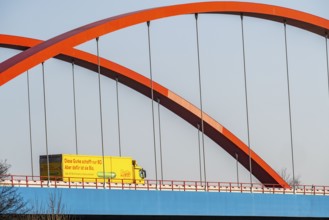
(118,114)
(160,140)
(45,114)
(327,61)
(75,110)
(326,39)
(152,98)
(237,167)
(199,152)
(200,94)
(100,106)
(289,106)
(246,97)
(30,121)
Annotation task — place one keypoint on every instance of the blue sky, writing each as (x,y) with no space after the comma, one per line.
(174,66)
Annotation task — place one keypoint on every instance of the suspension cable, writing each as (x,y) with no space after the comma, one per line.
(199,152)
(45,114)
(326,39)
(200,95)
(289,107)
(152,98)
(160,140)
(100,106)
(30,121)
(75,109)
(237,167)
(246,98)
(118,114)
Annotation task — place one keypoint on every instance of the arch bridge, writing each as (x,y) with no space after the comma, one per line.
(63,47)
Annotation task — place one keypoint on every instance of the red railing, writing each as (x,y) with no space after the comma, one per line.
(162,185)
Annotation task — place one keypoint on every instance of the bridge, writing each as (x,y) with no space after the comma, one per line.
(244,97)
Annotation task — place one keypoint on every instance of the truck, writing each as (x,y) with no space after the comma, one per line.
(86,168)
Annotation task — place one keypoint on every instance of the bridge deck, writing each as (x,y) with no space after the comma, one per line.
(178,203)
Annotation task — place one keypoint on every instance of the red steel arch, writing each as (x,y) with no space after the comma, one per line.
(64,43)
(18,64)
(189,112)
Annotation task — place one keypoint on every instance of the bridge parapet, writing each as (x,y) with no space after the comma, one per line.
(161,185)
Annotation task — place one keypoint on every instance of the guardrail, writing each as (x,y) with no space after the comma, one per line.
(161,185)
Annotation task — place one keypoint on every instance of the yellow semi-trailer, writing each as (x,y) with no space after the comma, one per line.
(71,167)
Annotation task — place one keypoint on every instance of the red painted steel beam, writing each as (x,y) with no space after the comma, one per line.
(18,64)
(219,134)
